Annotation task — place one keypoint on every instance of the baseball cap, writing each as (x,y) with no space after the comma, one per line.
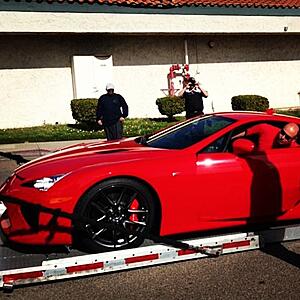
(110,86)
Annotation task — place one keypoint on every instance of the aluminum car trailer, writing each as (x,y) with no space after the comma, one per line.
(19,269)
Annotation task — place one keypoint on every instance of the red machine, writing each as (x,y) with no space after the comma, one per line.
(182,71)
(187,178)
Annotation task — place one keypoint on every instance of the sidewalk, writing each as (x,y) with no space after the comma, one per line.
(30,151)
(41,146)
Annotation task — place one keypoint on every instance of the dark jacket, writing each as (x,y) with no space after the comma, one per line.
(111,108)
(193,102)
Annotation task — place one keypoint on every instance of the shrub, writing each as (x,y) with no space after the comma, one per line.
(249,102)
(170,106)
(291,112)
(84,110)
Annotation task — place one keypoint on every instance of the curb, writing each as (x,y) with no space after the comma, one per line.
(42,146)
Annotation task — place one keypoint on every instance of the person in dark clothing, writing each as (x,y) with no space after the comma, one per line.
(192,93)
(112,110)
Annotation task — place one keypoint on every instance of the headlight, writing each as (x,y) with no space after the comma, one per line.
(2,208)
(45,183)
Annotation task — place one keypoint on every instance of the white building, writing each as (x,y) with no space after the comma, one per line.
(52,52)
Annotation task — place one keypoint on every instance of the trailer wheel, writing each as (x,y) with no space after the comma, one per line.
(122,211)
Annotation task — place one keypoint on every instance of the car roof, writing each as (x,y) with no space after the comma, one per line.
(252,115)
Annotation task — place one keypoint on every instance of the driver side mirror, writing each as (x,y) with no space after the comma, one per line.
(242,146)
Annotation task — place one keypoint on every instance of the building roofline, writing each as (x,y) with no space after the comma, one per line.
(266,4)
(87,7)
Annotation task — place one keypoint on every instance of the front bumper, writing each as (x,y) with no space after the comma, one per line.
(25,223)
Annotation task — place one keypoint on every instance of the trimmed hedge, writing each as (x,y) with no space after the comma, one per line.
(292,112)
(170,106)
(84,110)
(249,102)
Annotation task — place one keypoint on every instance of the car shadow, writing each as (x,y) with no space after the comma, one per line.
(266,190)
(281,252)
(266,204)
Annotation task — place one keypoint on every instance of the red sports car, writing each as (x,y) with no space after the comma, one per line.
(192,177)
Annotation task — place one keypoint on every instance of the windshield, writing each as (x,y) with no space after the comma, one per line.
(188,133)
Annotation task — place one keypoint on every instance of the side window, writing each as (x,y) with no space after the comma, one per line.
(219,145)
(224,143)
(255,137)
(241,129)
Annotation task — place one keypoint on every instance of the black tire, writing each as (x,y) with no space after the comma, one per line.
(124,211)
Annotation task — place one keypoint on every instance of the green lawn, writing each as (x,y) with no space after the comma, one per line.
(132,127)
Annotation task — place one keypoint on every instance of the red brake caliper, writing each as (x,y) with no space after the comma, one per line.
(134,205)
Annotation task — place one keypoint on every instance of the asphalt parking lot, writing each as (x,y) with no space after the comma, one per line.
(273,273)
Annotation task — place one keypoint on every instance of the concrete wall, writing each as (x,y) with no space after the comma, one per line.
(36,78)
(18,21)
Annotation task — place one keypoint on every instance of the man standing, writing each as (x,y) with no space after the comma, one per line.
(112,110)
(192,94)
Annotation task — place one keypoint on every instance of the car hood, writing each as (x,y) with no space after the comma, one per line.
(86,154)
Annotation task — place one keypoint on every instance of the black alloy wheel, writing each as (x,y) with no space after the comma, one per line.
(122,211)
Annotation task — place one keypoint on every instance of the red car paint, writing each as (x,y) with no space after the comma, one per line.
(197,191)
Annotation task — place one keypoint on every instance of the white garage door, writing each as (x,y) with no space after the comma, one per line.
(90,75)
